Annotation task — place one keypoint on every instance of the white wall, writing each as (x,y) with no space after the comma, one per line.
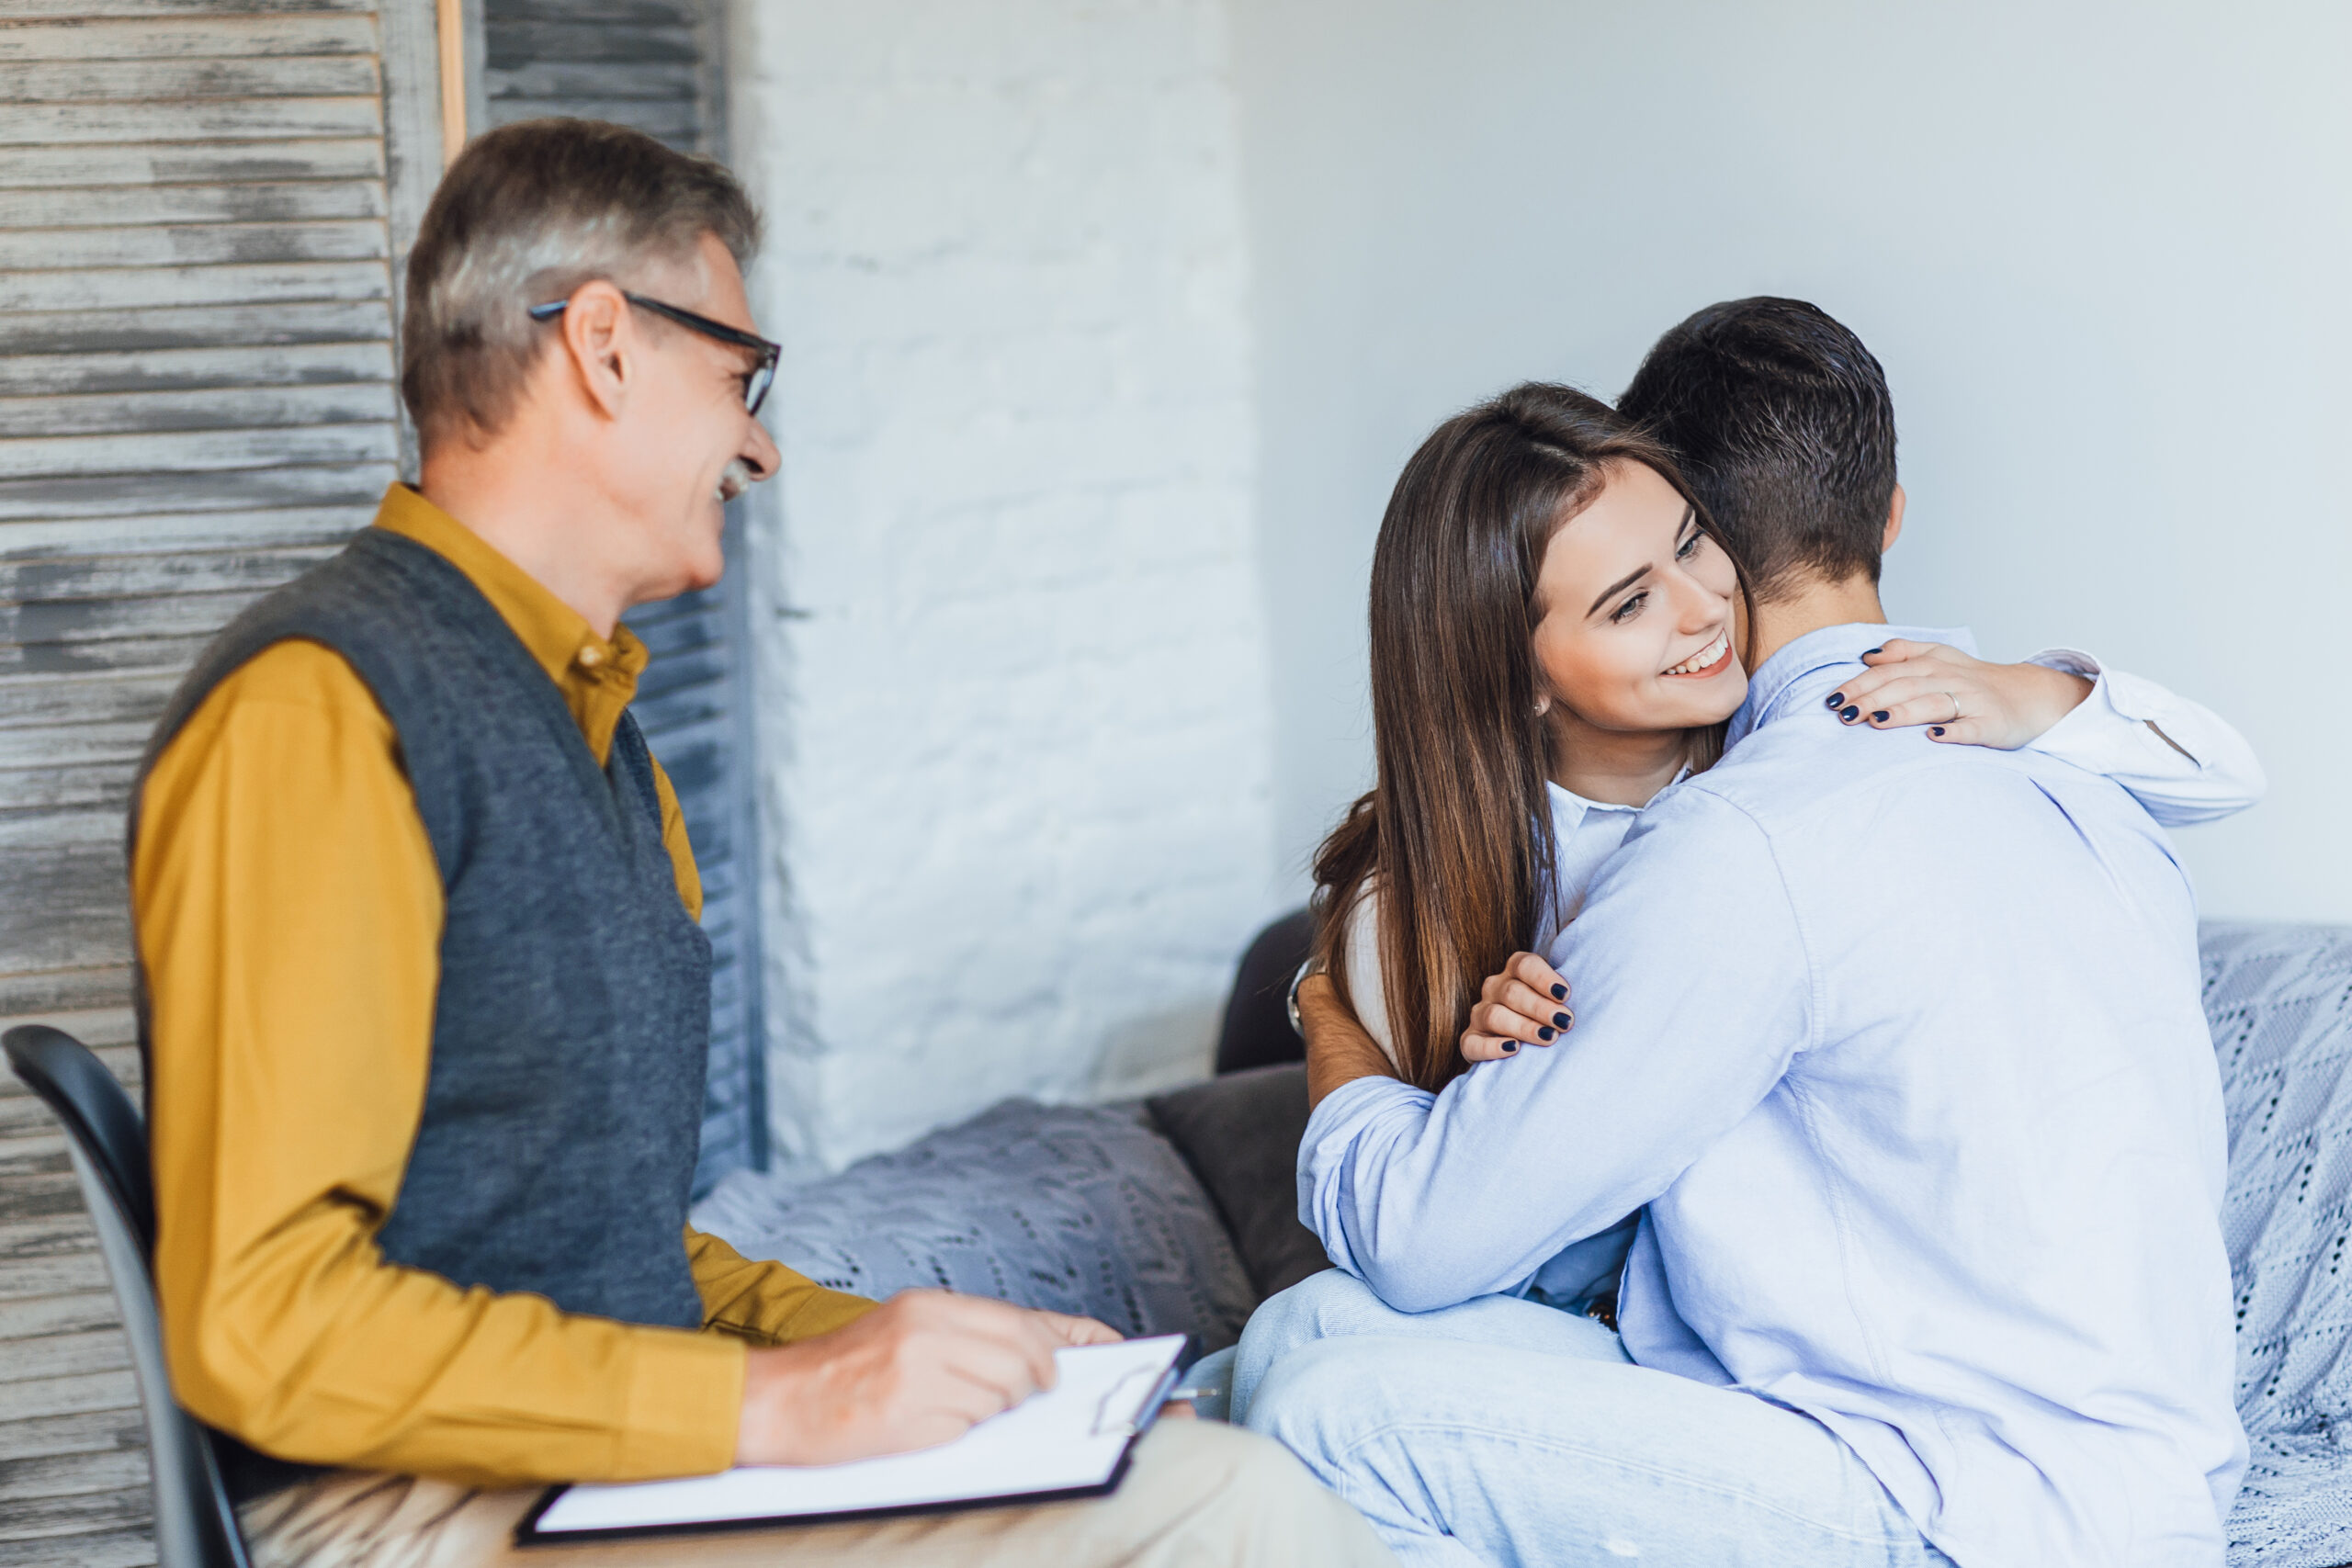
(2102,250)
(1016,757)
(1109,323)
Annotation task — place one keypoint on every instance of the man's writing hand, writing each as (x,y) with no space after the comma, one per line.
(1338,1050)
(919,1371)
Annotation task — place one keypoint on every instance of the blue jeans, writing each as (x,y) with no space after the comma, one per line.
(1502,1432)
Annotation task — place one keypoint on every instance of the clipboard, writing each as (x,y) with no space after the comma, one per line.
(1074,1441)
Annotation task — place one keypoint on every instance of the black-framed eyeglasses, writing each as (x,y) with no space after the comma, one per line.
(755,386)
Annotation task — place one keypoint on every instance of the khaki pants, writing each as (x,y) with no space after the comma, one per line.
(1198,1493)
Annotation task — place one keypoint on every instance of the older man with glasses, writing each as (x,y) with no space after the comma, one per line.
(426,1002)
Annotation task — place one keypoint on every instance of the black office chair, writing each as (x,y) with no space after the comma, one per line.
(196,1527)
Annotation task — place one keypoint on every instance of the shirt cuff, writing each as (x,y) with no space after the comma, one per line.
(2124,696)
(2086,732)
(1346,1107)
(2106,732)
(685,1404)
(821,1311)
(2073,660)
(1328,1153)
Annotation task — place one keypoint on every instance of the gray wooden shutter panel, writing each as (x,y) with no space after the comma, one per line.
(202,209)
(653,64)
(198,207)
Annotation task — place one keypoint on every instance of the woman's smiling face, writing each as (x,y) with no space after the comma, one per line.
(1638,631)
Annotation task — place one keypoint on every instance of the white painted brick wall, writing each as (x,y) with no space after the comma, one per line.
(1016,735)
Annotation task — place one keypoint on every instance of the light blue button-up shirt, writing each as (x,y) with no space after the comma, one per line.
(1900,1043)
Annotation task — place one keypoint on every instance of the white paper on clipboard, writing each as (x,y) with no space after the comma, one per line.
(1069,1439)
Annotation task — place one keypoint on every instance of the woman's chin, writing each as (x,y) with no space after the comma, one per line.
(1734,692)
(1711,701)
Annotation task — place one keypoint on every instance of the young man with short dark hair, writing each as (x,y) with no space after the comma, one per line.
(1780,420)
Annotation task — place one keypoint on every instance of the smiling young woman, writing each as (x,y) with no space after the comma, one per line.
(1633,673)
(1552,611)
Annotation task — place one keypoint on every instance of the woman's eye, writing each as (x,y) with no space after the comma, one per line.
(1689,546)
(1629,609)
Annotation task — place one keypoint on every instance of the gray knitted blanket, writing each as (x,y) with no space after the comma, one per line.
(2280,1000)
(1074,1208)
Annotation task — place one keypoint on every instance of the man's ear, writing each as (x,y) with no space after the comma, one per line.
(1894,522)
(600,336)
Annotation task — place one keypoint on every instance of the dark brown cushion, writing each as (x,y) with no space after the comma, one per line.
(1240,1135)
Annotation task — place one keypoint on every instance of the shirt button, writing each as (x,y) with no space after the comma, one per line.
(591,655)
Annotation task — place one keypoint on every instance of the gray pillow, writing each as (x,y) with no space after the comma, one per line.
(1076,1208)
(1240,1135)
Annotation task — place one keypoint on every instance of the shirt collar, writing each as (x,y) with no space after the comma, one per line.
(597,676)
(1824,649)
(1567,811)
(1569,808)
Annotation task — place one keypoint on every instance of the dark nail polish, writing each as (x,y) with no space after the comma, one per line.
(1868,653)
(1542,1033)
(1849,715)
(1559,1020)
(1559,993)
(1571,1023)
(1879,717)
(1937,732)
(1509,1047)
(1836,700)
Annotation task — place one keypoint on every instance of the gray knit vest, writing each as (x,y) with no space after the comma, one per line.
(571,1033)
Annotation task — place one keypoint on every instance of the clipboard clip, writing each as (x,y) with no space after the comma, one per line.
(1120,1412)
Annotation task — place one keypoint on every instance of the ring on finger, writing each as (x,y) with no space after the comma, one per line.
(1955,709)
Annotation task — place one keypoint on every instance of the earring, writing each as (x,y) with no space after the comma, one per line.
(1543,707)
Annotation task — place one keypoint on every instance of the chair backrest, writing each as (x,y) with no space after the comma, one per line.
(196,1525)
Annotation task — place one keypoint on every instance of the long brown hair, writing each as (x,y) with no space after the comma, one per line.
(1454,844)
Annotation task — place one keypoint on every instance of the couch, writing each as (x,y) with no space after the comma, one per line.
(1177,1212)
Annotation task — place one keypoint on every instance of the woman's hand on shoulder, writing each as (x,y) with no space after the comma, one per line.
(1961,700)
(1526,1004)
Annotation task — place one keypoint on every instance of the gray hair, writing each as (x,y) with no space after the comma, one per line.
(526,214)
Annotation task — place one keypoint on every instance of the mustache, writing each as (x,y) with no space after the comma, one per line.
(735,479)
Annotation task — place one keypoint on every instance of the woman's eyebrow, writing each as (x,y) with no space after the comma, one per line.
(1689,517)
(1620,586)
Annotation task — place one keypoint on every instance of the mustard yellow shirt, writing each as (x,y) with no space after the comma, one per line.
(289,912)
